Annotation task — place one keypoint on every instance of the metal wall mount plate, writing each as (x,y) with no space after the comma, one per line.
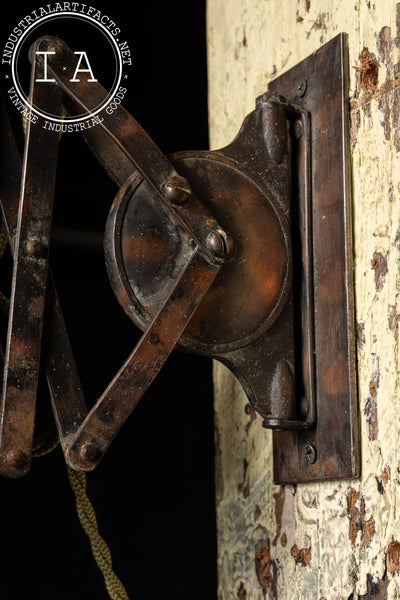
(329,449)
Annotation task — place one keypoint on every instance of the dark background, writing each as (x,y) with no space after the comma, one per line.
(154,490)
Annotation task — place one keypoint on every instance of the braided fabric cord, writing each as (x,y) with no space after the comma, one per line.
(46,443)
(100,550)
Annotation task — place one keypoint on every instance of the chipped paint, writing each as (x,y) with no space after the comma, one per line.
(302,556)
(371,405)
(351,527)
(394,557)
(379,265)
(376,588)
(358,522)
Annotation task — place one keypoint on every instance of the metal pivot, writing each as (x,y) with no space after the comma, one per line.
(241,254)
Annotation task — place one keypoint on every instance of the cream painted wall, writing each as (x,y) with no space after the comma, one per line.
(335,540)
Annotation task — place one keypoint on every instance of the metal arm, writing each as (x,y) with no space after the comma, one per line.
(84,437)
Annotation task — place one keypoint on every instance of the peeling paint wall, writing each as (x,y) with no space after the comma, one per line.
(338,540)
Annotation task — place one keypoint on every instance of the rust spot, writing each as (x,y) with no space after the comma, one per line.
(384,44)
(249,409)
(394,557)
(368,69)
(387,94)
(376,588)
(263,564)
(308,5)
(371,417)
(371,407)
(394,321)
(242,594)
(355,122)
(385,475)
(321,21)
(396,117)
(302,556)
(283,539)
(257,512)
(360,334)
(379,265)
(279,498)
(356,512)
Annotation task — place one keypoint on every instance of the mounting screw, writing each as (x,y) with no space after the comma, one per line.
(220,244)
(90,452)
(16,458)
(301,88)
(177,189)
(309,454)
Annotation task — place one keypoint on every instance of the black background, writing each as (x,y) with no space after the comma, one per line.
(154,490)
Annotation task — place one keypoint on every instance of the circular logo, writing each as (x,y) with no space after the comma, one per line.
(80,49)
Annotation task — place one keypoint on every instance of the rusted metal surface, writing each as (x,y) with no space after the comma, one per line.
(221,253)
(58,359)
(124,392)
(335,436)
(31,246)
(129,139)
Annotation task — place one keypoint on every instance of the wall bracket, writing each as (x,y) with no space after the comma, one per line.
(329,449)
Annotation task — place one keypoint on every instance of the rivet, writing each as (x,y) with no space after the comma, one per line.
(58,52)
(34,248)
(90,452)
(16,458)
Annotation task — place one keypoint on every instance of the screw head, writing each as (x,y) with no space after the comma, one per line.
(301,88)
(309,454)
(177,189)
(220,244)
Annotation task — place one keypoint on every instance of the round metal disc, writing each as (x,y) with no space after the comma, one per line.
(145,250)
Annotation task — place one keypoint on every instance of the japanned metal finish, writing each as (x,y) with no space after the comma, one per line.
(330,449)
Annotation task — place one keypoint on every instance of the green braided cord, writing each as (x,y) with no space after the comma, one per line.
(100,550)
(45,443)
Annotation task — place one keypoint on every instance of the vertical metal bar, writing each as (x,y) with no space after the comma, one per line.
(22,356)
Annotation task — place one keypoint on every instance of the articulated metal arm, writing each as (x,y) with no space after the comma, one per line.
(84,436)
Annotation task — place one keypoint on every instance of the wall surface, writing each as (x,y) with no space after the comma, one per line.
(341,539)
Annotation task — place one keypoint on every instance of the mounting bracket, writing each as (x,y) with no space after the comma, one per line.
(330,449)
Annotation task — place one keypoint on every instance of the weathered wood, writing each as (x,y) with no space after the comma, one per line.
(336,540)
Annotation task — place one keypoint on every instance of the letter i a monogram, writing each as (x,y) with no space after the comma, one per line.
(77,70)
